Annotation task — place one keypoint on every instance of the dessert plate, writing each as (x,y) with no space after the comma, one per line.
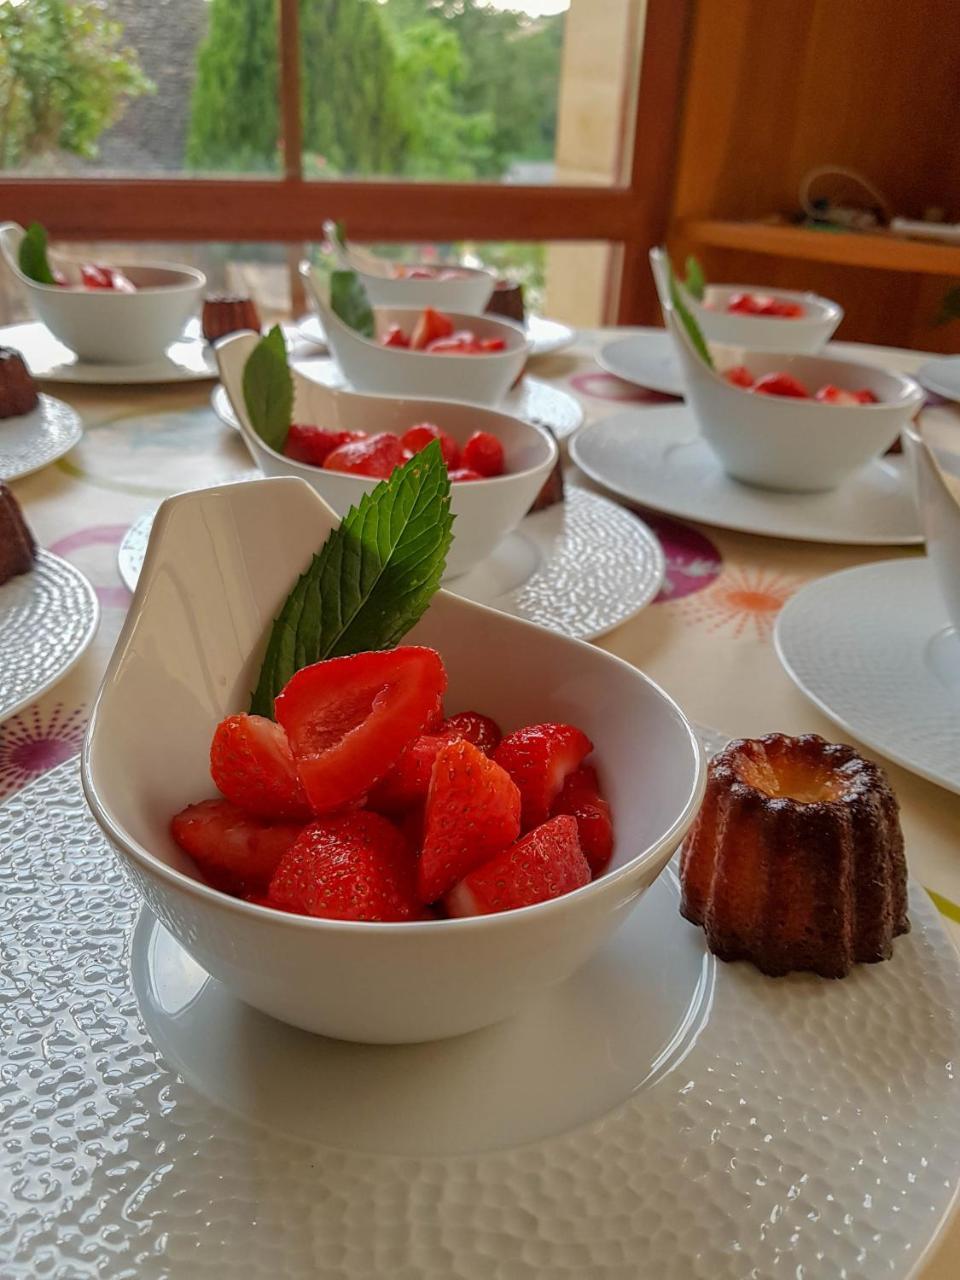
(49,360)
(531,399)
(546,336)
(581,567)
(660,1116)
(34,440)
(941,376)
(48,617)
(657,458)
(872,647)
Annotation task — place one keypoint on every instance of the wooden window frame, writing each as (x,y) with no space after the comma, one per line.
(631,215)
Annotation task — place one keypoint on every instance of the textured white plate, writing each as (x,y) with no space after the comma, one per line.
(48,617)
(873,648)
(581,567)
(646,357)
(941,376)
(546,336)
(660,1117)
(533,400)
(657,458)
(34,440)
(50,360)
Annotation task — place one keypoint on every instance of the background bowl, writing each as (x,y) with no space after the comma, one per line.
(106,327)
(486,510)
(794,445)
(468,292)
(934,453)
(806,333)
(219,564)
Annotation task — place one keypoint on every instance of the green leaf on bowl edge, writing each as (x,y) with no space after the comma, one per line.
(349,301)
(696,282)
(32,258)
(371,580)
(340,234)
(268,389)
(686,318)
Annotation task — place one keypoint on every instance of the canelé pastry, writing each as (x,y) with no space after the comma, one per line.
(507,301)
(225,313)
(796,859)
(18,391)
(17,547)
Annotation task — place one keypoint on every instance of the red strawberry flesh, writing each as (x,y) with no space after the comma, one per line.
(545,864)
(252,765)
(583,800)
(538,758)
(235,851)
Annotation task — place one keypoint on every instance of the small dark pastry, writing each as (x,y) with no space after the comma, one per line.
(507,301)
(552,491)
(795,860)
(17,546)
(18,391)
(225,313)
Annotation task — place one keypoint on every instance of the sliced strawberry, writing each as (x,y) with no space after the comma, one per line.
(538,758)
(236,851)
(430,326)
(780,309)
(395,337)
(781,384)
(457,345)
(354,867)
(252,765)
(315,444)
(418,437)
(464,473)
(375,455)
(582,799)
(545,864)
(835,395)
(492,344)
(408,781)
(473,811)
(866,396)
(739,376)
(484,454)
(348,719)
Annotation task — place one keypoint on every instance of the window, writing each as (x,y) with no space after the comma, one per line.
(250,121)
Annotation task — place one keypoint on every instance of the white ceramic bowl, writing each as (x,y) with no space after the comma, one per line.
(219,564)
(798,446)
(468,291)
(805,334)
(105,327)
(486,510)
(934,451)
(368,366)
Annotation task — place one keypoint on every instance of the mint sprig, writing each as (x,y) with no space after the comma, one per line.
(32,257)
(268,389)
(349,301)
(371,580)
(696,282)
(686,319)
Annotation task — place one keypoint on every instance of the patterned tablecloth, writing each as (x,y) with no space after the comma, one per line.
(707,639)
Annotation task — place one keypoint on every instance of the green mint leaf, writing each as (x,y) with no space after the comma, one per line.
(32,257)
(268,389)
(340,234)
(348,300)
(686,319)
(696,282)
(371,580)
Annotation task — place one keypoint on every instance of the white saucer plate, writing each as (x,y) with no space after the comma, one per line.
(660,1116)
(48,617)
(546,336)
(49,360)
(33,440)
(532,399)
(872,647)
(656,457)
(581,567)
(941,376)
(646,358)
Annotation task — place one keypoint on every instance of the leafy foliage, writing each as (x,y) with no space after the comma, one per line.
(33,261)
(268,389)
(65,76)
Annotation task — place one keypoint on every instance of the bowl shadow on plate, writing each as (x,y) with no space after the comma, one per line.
(576,1052)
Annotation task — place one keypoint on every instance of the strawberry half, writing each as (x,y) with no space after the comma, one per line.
(476,728)
(582,799)
(408,781)
(424,433)
(348,719)
(538,758)
(236,851)
(251,764)
(354,867)
(473,811)
(430,326)
(545,864)
(315,444)
(375,455)
(484,454)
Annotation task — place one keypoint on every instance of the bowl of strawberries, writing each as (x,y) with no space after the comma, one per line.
(766,320)
(371,809)
(342,443)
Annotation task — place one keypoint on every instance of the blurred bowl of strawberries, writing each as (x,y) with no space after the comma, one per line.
(766,319)
(342,443)
(392,844)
